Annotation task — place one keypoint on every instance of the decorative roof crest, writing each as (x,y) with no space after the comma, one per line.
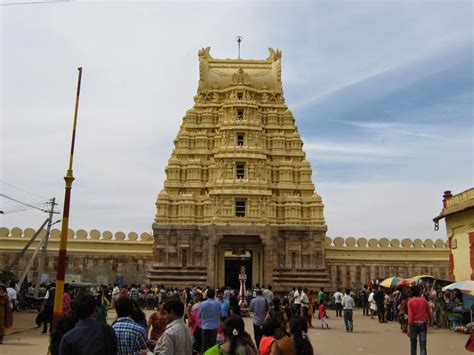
(274,54)
(241,78)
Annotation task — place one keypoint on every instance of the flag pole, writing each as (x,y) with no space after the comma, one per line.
(69,178)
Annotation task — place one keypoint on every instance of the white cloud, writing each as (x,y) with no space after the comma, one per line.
(354,149)
(140,75)
(397,128)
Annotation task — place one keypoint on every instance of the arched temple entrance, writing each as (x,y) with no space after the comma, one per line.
(233,252)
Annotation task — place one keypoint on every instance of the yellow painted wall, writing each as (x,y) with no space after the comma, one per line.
(458,227)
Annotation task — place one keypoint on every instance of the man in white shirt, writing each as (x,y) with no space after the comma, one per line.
(297,301)
(12,294)
(348,305)
(115,295)
(268,294)
(304,304)
(338,301)
(177,338)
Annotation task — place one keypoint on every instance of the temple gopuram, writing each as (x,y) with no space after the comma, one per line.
(238,193)
(238,189)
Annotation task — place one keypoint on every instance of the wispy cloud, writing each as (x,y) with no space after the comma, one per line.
(398,72)
(391,128)
(354,149)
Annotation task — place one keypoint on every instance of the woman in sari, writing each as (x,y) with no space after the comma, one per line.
(6,315)
(156,326)
(195,322)
(311,299)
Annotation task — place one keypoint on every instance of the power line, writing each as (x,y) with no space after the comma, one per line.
(19,189)
(20,208)
(23,203)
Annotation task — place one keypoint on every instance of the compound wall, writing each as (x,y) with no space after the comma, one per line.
(101,256)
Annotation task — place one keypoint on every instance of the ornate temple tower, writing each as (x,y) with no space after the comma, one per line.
(238,190)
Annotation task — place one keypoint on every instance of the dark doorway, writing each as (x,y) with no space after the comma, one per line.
(232,270)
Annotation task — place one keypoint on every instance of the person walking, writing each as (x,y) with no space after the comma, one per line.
(297,301)
(379,298)
(194,322)
(225,304)
(88,337)
(305,305)
(115,295)
(348,305)
(12,295)
(322,315)
(210,314)
(312,301)
(364,296)
(101,308)
(372,303)
(321,295)
(419,318)
(259,307)
(48,307)
(338,302)
(268,294)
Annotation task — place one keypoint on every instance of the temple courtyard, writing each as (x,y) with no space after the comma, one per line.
(369,337)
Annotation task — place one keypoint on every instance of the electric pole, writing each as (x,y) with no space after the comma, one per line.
(45,247)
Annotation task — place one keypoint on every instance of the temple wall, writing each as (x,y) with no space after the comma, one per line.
(352,262)
(101,256)
(92,257)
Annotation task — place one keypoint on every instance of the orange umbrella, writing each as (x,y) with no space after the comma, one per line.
(403,282)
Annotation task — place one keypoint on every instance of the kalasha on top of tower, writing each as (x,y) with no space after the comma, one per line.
(262,74)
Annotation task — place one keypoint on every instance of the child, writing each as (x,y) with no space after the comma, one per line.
(323,317)
(269,328)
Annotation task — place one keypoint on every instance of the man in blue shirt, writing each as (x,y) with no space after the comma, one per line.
(225,304)
(88,336)
(259,307)
(210,314)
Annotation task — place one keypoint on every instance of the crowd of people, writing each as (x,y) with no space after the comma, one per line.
(208,321)
(191,321)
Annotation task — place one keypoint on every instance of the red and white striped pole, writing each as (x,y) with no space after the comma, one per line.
(69,178)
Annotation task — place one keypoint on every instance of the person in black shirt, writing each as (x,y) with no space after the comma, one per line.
(88,337)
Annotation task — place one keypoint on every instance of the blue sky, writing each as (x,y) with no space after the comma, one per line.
(381,93)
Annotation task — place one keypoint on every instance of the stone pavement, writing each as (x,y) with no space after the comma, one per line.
(369,338)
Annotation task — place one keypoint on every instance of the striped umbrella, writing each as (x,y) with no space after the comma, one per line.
(390,282)
(464,286)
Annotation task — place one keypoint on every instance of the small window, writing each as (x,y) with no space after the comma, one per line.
(240,139)
(240,96)
(240,114)
(240,170)
(240,208)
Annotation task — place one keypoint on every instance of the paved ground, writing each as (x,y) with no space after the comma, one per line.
(369,338)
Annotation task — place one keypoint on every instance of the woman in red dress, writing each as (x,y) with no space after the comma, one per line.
(157,324)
